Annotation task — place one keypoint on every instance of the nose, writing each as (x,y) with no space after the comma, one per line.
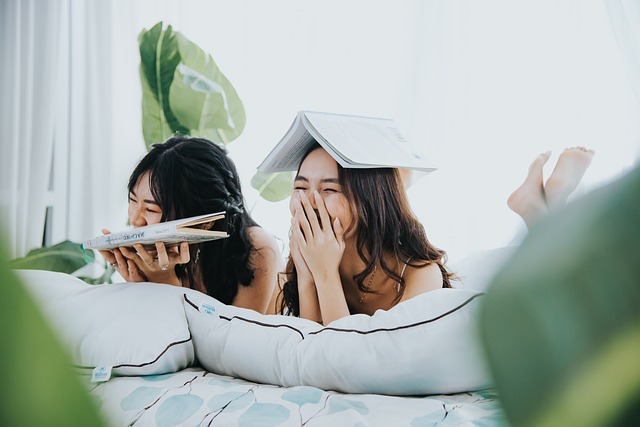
(137,219)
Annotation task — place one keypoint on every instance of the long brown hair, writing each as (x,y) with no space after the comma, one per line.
(384,224)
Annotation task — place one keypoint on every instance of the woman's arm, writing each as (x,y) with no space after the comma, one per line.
(266,262)
(322,249)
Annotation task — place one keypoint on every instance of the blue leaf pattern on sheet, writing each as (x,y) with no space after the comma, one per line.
(220,382)
(177,409)
(303,395)
(336,405)
(161,377)
(428,420)
(139,398)
(491,420)
(194,397)
(264,415)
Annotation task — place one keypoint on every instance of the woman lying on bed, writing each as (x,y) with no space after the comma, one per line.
(184,177)
(356,246)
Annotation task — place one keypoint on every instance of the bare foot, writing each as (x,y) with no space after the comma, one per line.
(569,170)
(528,200)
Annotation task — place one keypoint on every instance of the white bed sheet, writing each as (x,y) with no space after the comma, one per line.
(194,397)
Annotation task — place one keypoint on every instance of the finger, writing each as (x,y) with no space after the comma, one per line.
(144,255)
(108,256)
(163,258)
(105,231)
(133,272)
(312,218)
(296,254)
(120,260)
(338,230)
(301,222)
(173,250)
(322,211)
(184,254)
(298,234)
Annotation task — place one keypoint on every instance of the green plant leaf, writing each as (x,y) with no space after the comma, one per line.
(273,186)
(202,98)
(38,386)
(65,257)
(105,277)
(561,324)
(159,57)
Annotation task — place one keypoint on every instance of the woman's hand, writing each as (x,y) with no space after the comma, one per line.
(158,266)
(320,240)
(304,275)
(126,268)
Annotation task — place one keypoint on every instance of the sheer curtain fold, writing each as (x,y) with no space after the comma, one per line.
(625,23)
(29,76)
(91,105)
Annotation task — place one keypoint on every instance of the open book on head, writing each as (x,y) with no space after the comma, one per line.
(196,229)
(353,141)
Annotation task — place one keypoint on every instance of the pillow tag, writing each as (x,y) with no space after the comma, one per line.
(207,309)
(100,374)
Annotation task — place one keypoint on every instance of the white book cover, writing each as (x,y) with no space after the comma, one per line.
(353,141)
(169,232)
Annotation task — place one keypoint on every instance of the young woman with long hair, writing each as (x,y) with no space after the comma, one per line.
(356,246)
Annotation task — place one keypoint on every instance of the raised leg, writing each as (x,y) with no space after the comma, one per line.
(569,170)
(528,200)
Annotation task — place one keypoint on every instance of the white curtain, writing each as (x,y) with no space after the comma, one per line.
(625,22)
(105,136)
(30,46)
(91,108)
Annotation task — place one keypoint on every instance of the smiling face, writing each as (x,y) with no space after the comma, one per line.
(143,208)
(319,171)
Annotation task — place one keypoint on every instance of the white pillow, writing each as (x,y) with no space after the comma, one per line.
(477,270)
(426,345)
(132,328)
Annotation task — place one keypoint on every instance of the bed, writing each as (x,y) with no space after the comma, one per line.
(158,355)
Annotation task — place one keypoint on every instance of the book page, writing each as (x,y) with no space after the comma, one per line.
(288,152)
(367,141)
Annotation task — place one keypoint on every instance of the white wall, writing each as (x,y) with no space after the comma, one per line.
(482,86)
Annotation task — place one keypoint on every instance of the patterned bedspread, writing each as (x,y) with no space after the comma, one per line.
(194,397)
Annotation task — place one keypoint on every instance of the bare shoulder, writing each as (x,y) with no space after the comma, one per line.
(267,248)
(419,280)
(266,261)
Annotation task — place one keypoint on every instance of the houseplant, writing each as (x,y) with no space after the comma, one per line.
(183,91)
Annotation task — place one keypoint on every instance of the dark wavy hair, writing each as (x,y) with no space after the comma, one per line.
(384,224)
(191,176)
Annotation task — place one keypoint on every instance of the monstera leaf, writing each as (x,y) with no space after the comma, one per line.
(65,257)
(202,98)
(273,186)
(159,57)
(183,91)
